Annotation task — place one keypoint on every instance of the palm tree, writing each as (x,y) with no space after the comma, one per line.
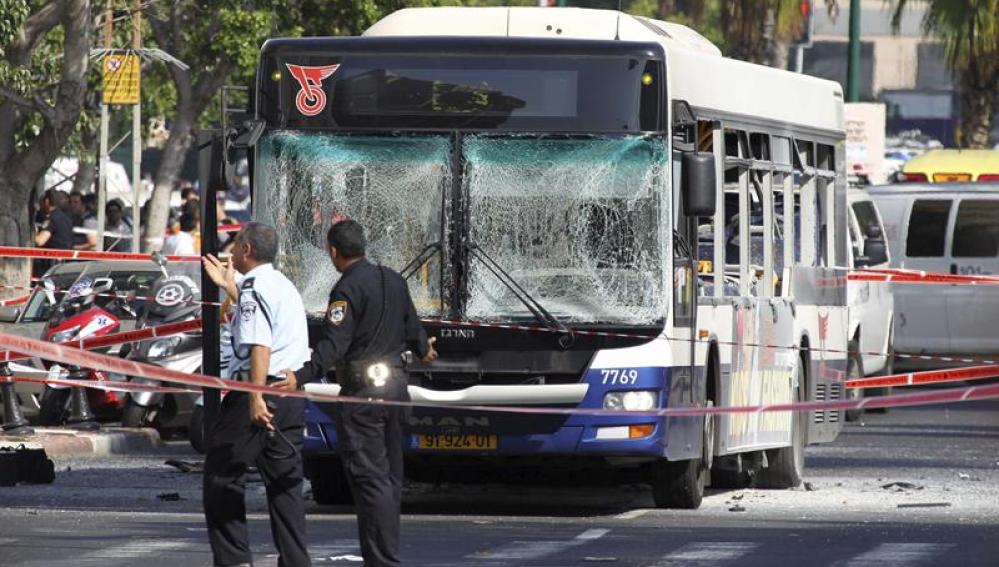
(745,26)
(969,30)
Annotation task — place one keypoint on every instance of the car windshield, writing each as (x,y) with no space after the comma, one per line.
(574,221)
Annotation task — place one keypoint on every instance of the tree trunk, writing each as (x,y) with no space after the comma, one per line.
(744,23)
(84,180)
(168,174)
(21,170)
(15,230)
(978,102)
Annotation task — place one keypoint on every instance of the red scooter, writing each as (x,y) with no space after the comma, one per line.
(79,316)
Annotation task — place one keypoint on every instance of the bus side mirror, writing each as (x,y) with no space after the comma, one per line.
(698,183)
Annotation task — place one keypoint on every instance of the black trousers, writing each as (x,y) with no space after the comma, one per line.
(235,445)
(370,446)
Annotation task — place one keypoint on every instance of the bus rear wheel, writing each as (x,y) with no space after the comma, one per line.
(786,465)
(680,484)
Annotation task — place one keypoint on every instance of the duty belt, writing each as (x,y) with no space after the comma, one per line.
(244,376)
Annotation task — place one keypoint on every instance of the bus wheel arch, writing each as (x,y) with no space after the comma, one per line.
(680,484)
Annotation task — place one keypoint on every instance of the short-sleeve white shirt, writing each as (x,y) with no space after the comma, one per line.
(270,313)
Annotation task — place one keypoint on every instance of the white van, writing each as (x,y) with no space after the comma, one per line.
(872,307)
(950,228)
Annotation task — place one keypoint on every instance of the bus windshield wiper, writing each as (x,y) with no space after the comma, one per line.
(533,305)
(414,265)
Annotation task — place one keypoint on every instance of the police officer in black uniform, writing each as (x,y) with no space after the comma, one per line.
(269,333)
(370,323)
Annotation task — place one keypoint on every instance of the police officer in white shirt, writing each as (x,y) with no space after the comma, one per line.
(269,334)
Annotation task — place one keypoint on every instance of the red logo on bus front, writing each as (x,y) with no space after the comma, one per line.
(311,99)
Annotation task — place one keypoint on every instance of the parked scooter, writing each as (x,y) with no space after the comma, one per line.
(175,297)
(79,316)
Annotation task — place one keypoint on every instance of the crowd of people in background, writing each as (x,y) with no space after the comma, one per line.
(69,222)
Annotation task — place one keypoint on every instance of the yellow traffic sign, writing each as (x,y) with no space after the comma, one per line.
(121,78)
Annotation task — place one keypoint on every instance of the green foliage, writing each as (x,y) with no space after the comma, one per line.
(39,77)
(969,31)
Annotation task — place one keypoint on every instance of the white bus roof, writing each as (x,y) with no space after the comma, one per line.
(697,72)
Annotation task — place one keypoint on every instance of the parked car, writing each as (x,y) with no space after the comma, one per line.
(872,307)
(950,228)
(32,318)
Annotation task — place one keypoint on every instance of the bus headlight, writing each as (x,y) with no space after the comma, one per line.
(636,400)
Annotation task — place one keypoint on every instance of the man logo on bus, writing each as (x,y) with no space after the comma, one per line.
(311,99)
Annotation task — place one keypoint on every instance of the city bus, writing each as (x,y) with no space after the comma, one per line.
(593,211)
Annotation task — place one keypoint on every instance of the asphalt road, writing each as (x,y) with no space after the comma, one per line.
(912,487)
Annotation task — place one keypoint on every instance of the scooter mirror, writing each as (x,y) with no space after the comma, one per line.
(160,261)
(159,258)
(50,287)
(103,285)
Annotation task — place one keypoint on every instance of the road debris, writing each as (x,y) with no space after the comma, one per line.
(901,486)
(737,508)
(170,497)
(186,466)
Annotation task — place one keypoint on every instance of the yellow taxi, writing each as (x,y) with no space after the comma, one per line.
(951,165)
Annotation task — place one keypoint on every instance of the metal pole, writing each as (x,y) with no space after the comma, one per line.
(102,172)
(136,134)
(853,62)
(210,143)
(799,59)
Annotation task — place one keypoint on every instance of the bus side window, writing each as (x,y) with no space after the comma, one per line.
(825,164)
(807,203)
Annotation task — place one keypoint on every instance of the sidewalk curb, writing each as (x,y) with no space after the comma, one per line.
(107,441)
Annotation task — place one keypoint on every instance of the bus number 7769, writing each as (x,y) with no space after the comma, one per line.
(619,376)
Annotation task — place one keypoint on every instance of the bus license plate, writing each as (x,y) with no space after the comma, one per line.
(458,442)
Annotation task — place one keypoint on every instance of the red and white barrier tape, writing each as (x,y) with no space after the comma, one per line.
(86,359)
(905,276)
(537,329)
(112,295)
(14,300)
(929,377)
(115,338)
(107,385)
(18,252)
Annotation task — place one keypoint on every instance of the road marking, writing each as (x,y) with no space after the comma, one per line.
(899,554)
(136,549)
(525,550)
(595,533)
(703,553)
(632,514)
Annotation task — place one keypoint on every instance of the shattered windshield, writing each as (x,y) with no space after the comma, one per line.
(393,186)
(575,222)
